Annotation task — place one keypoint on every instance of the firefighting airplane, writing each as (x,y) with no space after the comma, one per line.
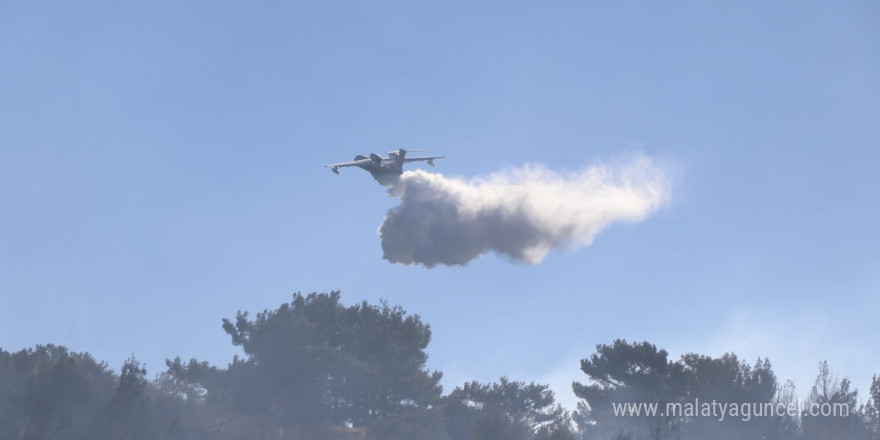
(383,169)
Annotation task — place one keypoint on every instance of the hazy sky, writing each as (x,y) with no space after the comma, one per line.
(161,167)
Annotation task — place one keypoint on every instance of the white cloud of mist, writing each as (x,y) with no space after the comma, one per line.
(522,213)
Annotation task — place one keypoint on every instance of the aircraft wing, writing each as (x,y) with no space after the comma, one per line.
(430,159)
(335,166)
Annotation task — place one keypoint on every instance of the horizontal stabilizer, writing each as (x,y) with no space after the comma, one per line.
(406,150)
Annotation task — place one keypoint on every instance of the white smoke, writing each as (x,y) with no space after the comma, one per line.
(522,213)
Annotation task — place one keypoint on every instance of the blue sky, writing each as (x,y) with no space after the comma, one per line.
(161,169)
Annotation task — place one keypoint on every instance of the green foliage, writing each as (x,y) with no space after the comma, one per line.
(727,379)
(503,410)
(315,361)
(834,394)
(639,373)
(625,373)
(316,369)
(872,408)
(410,424)
(129,414)
(48,392)
(559,433)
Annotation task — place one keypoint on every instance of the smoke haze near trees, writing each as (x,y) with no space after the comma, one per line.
(316,369)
